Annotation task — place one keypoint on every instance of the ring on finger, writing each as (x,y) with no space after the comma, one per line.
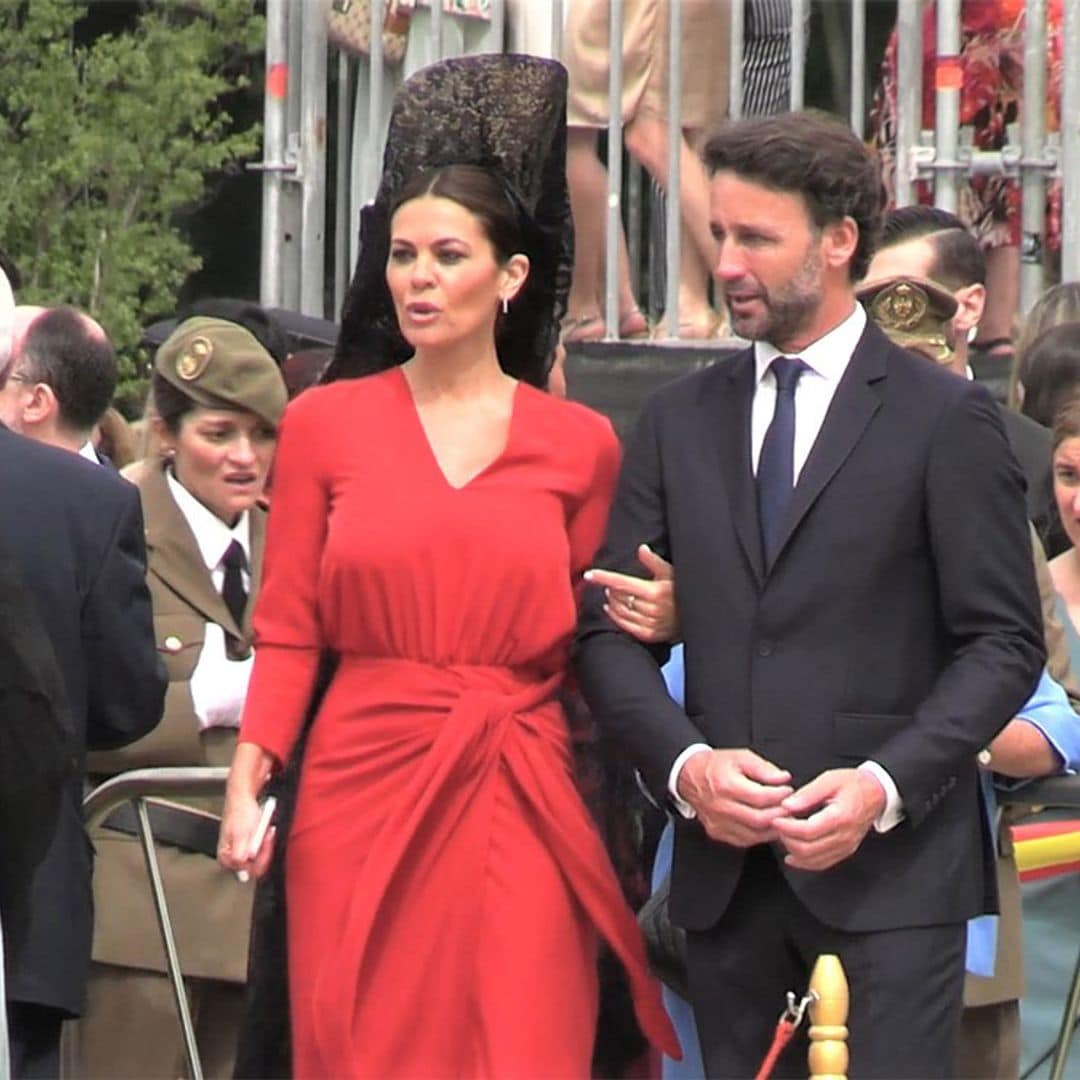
(630,603)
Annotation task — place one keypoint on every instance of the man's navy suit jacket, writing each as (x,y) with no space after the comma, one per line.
(899,622)
(75,532)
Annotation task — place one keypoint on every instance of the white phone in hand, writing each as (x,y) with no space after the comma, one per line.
(257,838)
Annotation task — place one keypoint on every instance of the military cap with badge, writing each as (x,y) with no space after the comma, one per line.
(220,365)
(914,312)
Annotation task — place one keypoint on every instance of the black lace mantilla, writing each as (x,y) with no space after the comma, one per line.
(501,111)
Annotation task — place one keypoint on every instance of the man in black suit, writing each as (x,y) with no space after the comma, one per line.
(74,533)
(927,242)
(856,595)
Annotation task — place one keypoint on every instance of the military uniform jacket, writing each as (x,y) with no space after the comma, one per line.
(210,909)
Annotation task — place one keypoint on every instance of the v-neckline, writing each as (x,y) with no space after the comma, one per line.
(433,457)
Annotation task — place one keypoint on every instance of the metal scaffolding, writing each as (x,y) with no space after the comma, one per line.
(295,199)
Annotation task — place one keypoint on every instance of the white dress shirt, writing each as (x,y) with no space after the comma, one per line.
(218,684)
(87,451)
(826,361)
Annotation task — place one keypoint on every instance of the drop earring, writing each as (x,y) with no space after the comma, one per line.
(505,306)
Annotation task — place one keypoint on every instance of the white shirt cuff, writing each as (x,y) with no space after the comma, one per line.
(681,804)
(893,813)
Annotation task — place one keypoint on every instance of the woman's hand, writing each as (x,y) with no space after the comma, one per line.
(642,608)
(250,769)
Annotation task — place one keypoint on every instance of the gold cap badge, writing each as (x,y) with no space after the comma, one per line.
(902,306)
(192,363)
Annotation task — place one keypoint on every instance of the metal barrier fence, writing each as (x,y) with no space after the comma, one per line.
(296,144)
(136,787)
(1058,792)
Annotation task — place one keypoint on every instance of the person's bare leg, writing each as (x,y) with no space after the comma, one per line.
(646,139)
(587,180)
(1002,294)
(697,319)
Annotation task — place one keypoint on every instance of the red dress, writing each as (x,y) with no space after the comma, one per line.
(444,881)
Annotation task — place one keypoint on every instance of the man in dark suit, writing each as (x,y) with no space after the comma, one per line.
(74,532)
(855,590)
(927,242)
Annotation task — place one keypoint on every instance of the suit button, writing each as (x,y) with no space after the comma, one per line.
(765,648)
(172,644)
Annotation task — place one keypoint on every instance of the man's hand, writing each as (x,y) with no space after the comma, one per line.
(736,793)
(842,805)
(644,609)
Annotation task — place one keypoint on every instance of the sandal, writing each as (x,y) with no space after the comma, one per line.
(633,326)
(713,325)
(582,328)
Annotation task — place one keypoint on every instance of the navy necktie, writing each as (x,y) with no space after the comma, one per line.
(776,470)
(232,587)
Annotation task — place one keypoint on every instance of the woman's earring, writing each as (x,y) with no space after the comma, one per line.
(505,306)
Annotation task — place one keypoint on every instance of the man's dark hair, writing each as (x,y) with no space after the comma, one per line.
(813,155)
(66,354)
(263,326)
(958,259)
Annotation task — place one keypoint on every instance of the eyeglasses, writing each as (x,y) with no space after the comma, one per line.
(18,376)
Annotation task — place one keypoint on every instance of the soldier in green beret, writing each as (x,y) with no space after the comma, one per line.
(218,397)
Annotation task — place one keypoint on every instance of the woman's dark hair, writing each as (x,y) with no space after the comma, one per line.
(170,403)
(480,192)
(810,154)
(1049,372)
(509,228)
(1066,422)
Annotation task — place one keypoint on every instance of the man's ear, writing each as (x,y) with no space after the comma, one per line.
(41,404)
(839,241)
(971,303)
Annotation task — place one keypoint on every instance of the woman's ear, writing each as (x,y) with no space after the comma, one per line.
(515,273)
(165,440)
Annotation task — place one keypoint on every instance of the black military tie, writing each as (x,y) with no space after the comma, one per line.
(776,469)
(232,588)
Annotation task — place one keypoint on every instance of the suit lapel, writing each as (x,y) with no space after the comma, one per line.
(174,553)
(853,405)
(727,404)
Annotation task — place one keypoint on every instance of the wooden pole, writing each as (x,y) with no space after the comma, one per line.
(828,1020)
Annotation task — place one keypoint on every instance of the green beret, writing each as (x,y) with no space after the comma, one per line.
(221,365)
(915,312)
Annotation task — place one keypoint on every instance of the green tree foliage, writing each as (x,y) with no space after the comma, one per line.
(108,144)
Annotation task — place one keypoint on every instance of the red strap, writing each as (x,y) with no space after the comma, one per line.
(785,1028)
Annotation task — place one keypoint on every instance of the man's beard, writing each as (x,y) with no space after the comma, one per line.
(789,311)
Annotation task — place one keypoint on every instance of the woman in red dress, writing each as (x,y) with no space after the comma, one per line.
(431,524)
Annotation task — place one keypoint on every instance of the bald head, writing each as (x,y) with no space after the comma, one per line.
(61,374)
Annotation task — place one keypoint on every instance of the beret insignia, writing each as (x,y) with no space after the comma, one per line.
(192,362)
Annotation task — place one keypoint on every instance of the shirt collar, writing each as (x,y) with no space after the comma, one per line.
(87,451)
(211,533)
(828,357)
